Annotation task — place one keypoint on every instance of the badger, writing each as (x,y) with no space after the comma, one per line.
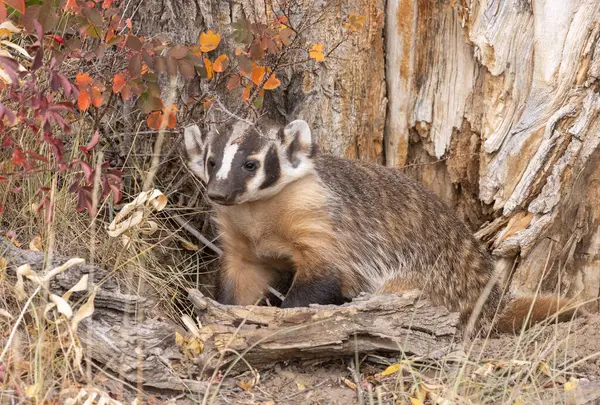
(323,229)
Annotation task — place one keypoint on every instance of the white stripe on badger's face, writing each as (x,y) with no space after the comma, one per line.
(228,155)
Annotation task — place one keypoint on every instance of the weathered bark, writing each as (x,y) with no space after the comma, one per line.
(505,94)
(405,323)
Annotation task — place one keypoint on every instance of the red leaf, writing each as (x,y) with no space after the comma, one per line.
(2,12)
(36,156)
(93,142)
(87,171)
(18,157)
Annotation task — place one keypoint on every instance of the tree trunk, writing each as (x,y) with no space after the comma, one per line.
(492,104)
(504,94)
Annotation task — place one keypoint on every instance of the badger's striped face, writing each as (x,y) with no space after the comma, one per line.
(241,164)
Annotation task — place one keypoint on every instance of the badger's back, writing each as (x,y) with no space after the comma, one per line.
(395,234)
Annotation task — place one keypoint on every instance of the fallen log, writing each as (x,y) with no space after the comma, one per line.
(264,336)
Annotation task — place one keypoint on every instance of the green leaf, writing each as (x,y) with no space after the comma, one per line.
(258,101)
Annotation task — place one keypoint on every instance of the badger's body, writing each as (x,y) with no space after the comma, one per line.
(323,229)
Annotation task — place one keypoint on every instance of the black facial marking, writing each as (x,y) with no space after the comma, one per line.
(271,168)
(323,290)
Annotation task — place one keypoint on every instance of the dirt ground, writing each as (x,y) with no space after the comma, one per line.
(570,351)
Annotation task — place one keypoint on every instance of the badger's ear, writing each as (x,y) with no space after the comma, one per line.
(297,142)
(195,147)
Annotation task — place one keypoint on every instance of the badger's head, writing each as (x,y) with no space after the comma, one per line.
(242,162)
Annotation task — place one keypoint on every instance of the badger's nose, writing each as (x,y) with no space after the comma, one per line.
(219,197)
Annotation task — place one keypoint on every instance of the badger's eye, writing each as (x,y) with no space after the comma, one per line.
(251,165)
(211,162)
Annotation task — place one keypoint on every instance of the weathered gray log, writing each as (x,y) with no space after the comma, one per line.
(371,323)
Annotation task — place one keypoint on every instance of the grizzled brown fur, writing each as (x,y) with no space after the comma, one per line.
(324,228)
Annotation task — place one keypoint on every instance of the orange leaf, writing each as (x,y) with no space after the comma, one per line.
(246,92)
(220,64)
(72,5)
(271,83)
(209,68)
(258,73)
(316,52)
(209,41)
(119,82)
(195,50)
(172,120)
(155,120)
(16,4)
(83,102)
(83,80)
(207,103)
(96,96)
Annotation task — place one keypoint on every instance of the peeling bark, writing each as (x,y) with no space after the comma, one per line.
(513,87)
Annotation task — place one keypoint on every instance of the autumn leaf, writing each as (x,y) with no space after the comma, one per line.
(233,82)
(84,100)
(316,52)
(83,80)
(355,22)
(119,82)
(171,120)
(258,73)
(126,93)
(209,68)
(134,43)
(272,83)
(92,144)
(207,103)
(209,41)
(158,119)
(18,157)
(178,51)
(16,4)
(246,93)
(154,120)
(221,63)
(96,96)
